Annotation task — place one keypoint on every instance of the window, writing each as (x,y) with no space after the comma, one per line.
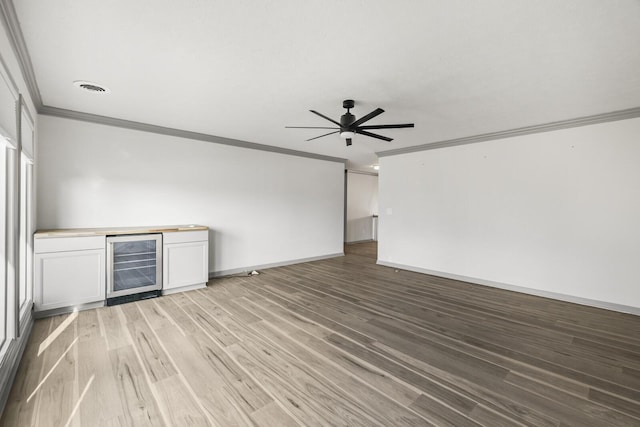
(16,224)
(3,258)
(25,216)
(26,231)
(8,97)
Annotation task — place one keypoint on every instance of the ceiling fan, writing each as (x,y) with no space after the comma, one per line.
(349,126)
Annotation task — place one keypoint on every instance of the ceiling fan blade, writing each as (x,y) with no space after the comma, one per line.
(326,134)
(369,116)
(325,117)
(308,127)
(373,135)
(404,125)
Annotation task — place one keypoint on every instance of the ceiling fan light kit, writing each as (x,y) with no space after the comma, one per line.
(347,134)
(349,126)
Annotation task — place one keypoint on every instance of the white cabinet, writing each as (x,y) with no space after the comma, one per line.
(70,268)
(69,271)
(185,260)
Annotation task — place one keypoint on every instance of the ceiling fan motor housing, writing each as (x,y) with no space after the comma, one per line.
(346,120)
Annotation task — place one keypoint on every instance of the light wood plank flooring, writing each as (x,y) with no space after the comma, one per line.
(334,342)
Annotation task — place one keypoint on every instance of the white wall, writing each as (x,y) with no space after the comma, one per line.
(554,212)
(262,207)
(362,203)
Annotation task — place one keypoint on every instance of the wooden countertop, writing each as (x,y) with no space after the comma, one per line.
(83,232)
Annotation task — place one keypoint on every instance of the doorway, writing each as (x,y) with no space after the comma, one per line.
(361,207)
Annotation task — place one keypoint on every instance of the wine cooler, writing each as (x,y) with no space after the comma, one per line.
(134,267)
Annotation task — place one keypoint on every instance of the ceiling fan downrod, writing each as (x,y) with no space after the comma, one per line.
(346,120)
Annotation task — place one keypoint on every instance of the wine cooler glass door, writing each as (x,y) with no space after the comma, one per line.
(134,264)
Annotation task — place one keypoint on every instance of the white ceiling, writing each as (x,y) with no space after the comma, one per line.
(245,69)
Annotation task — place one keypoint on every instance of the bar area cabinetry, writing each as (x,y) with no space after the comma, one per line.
(69,272)
(84,268)
(186,257)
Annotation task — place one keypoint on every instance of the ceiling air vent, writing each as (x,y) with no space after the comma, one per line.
(91,87)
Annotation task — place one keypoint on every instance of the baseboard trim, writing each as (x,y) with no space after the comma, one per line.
(183,289)
(65,310)
(11,360)
(360,241)
(247,270)
(524,290)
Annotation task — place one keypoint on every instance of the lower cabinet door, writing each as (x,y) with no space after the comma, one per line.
(65,279)
(185,264)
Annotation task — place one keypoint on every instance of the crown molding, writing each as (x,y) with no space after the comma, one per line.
(630,113)
(10,20)
(12,24)
(144,127)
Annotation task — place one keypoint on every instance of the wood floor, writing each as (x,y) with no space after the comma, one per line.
(334,342)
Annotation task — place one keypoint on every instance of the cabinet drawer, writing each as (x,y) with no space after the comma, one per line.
(64,244)
(185,236)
